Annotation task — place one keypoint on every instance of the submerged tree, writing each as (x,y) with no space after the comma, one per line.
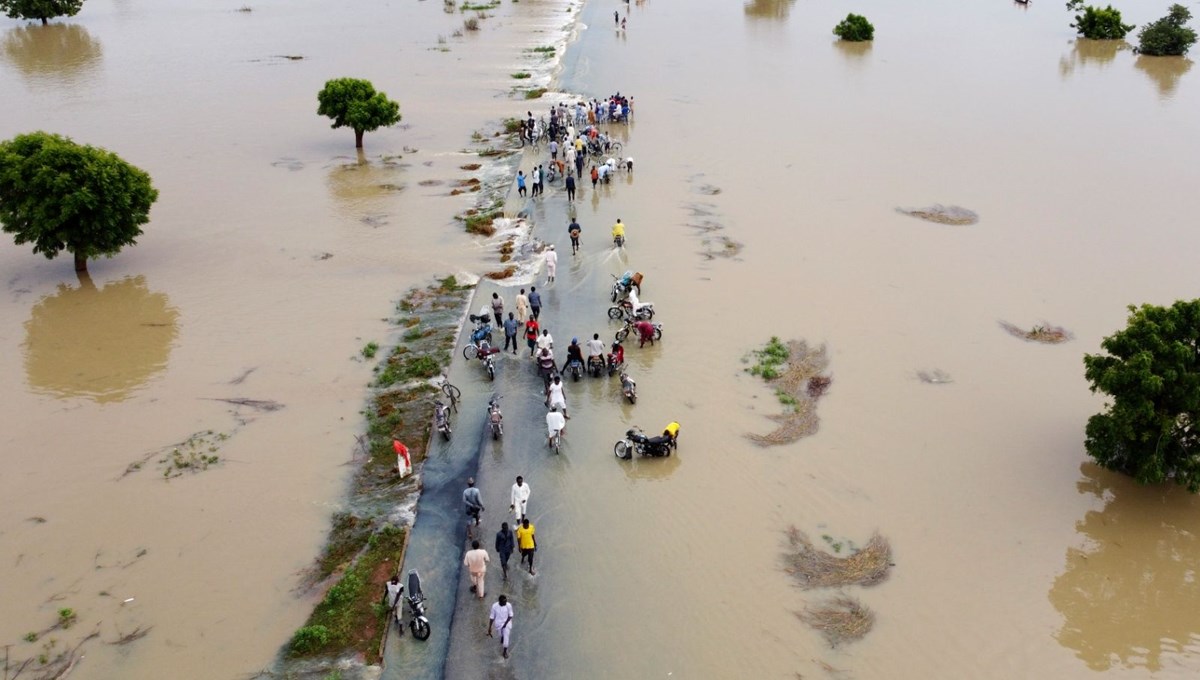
(60,195)
(354,103)
(1096,23)
(1151,430)
(40,10)
(854,28)
(1168,36)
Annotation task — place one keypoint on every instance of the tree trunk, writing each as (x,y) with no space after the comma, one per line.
(358,139)
(80,263)
(45,21)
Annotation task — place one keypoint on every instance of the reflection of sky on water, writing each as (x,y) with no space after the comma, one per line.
(1129,595)
(62,53)
(99,343)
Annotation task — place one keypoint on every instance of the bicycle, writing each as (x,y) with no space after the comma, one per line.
(556,442)
(452,393)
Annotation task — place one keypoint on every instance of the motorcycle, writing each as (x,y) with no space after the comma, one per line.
(619,241)
(629,388)
(495,417)
(628,328)
(636,440)
(415,599)
(596,365)
(441,419)
(480,337)
(575,368)
(626,310)
(614,366)
(627,282)
(486,353)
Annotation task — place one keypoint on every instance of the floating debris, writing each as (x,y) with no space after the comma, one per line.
(842,619)
(942,214)
(934,377)
(796,372)
(1046,334)
(816,568)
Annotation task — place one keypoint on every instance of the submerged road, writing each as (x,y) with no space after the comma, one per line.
(574,305)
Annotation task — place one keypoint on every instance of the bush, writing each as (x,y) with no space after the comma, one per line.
(854,28)
(308,640)
(1168,36)
(1098,24)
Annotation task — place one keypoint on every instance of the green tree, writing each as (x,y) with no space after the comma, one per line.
(60,195)
(854,28)
(1098,24)
(1168,36)
(1152,372)
(354,103)
(45,10)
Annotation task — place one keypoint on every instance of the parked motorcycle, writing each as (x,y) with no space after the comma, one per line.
(480,337)
(636,440)
(415,599)
(596,365)
(441,419)
(628,328)
(486,354)
(628,388)
(495,417)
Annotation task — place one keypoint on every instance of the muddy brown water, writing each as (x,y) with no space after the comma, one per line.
(1014,557)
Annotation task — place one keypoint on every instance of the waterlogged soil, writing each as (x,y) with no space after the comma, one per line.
(1014,556)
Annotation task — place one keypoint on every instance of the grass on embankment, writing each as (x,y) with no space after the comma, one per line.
(364,549)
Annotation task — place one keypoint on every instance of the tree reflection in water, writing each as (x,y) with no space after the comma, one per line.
(99,343)
(1129,596)
(1164,71)
(60,52)
(769,9)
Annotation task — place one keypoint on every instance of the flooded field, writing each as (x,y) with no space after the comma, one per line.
(274,255)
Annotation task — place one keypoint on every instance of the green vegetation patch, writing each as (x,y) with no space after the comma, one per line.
(521,75)
(854,28)
(535,93)
(1096,23)
(770,360)
(1168,36)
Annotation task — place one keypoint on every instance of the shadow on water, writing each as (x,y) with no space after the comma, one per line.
(1084,53)
(61,52)
(769,9)
(1164,71)
(99,343)
(1128,596)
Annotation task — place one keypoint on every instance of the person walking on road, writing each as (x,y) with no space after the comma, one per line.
(522,304)
(510,332)
(531,335)
(526,543)
(551,263)
(546,341)
(505,544)
(519,499)
(500,620)
(574,230)
(472,501)
(498,309)
(595,177)
(521,181)
(535,302)
(476,561)
(555,397)
(570,183)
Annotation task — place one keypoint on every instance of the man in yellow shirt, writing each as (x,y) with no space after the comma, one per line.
(618,233)
(526,543)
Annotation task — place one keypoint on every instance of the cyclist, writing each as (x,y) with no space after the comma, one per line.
(555,424)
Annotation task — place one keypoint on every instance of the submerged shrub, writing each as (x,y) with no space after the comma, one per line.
(1098,24)
(1168,36)
(854,28)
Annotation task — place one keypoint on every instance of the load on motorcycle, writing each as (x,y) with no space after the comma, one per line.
(627,282)
(616,358)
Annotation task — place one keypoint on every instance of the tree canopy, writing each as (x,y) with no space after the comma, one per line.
(1152,372)
(354,103)
(40,10)
(1096,23)
(60,195)
(1168,36)
(854,28)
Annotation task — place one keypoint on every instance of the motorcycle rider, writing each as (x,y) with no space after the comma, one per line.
(555,423)
(574,353)
(617,356)
(618,231)
(595,348)
(546,364)
(555,396)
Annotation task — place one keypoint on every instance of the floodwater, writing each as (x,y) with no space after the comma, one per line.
(1014,556)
